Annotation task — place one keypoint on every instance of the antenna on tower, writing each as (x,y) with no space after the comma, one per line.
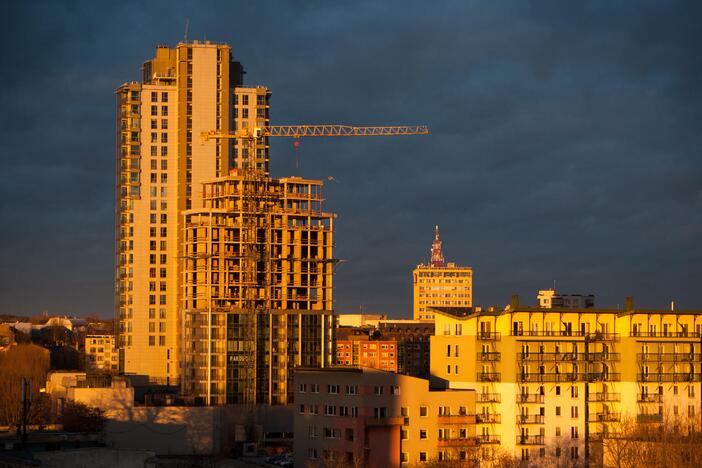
(187,26)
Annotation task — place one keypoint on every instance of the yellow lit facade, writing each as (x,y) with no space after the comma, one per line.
(101,353)
(543,377)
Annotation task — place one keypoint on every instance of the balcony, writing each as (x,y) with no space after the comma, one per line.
(489,397)
(664,334)
(488,336)
(457,442)
(494,356)
(549,377)
(530,419)
(669,377)
(601,336)
(375,422)
(649,418)
(556,357)
(597,397)
(530,440)
(486,439)
(604,417)
(487,418)
(456,419)
(547,333)
(530,398)
(594,357)
(602,376)
(668,357)
(488,376)
(649,398)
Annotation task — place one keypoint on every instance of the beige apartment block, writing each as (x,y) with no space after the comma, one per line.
(367,417)
(161,164)
(547,379)
(440,284)
(258,269)
(101,353)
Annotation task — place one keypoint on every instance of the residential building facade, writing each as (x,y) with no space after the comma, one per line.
(366,417)
(548,379)
(101,353)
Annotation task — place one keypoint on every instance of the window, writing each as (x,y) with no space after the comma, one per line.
(422,433)
(354,412)
(329,410)
(333,389)
(422,411)
(558,410)
(448,350)
(343,410)
(403,457)
(394,390)
(351,389)
(379,413)
(422,456)
(574,432)
(558,431)
(162,340)
(574,392)
(574,453)
(164,96)
(378,390)
(349,433)
(152,340)
(302,409)
(558,389)
(573,411)
(403,434)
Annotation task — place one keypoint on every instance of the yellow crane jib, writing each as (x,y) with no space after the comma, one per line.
(302,131)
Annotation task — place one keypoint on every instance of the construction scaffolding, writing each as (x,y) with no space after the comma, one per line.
(258,287)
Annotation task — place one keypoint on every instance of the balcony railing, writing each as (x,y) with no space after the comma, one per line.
(530,398)
(568,357)
(456,419)
(664,334)
(489,397)
(649,418)
(488,439)
(488,336)
(494,356)
(595,336)
(530,440)
(456,442)
(490,418)
(530,419)
(668,357)
(569,377)
(489,376)
(669,377)
(604,417)
(602,376)
(649,398)
(595,397)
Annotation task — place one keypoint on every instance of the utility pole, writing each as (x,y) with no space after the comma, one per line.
(26,399)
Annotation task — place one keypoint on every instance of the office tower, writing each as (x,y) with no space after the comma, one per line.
(440,284)
(160,166)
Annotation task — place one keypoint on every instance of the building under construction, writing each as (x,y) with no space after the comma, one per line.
(258,288)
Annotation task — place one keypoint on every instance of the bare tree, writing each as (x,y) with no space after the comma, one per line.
(23,361)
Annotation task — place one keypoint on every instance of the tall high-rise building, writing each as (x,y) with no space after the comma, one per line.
(440,284)
(223,274)
(160,166)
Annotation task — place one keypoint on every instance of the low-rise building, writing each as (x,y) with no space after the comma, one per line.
(364,353)
(367,417)
(101,353)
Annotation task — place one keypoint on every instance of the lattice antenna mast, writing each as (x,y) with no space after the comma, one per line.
(437,256)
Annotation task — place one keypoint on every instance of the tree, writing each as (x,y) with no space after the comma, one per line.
(77,417)
(23,361)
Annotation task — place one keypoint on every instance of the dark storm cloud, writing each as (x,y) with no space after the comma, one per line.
(565,140)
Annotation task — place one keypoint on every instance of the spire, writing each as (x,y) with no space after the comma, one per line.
(437,257)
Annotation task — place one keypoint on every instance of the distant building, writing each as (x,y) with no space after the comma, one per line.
(101,353)
(366,417)
(440,284)
(376,354)
(412,338)
(359,320)
(550,299)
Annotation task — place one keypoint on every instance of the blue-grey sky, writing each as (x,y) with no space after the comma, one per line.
(565,140)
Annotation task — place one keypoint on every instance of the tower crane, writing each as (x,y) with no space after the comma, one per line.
(300,131)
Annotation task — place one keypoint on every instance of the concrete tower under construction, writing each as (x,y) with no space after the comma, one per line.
(223,274)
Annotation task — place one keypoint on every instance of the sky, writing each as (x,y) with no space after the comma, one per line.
(565,145)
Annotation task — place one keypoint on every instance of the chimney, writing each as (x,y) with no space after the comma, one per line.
(515,301)
(629,303)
